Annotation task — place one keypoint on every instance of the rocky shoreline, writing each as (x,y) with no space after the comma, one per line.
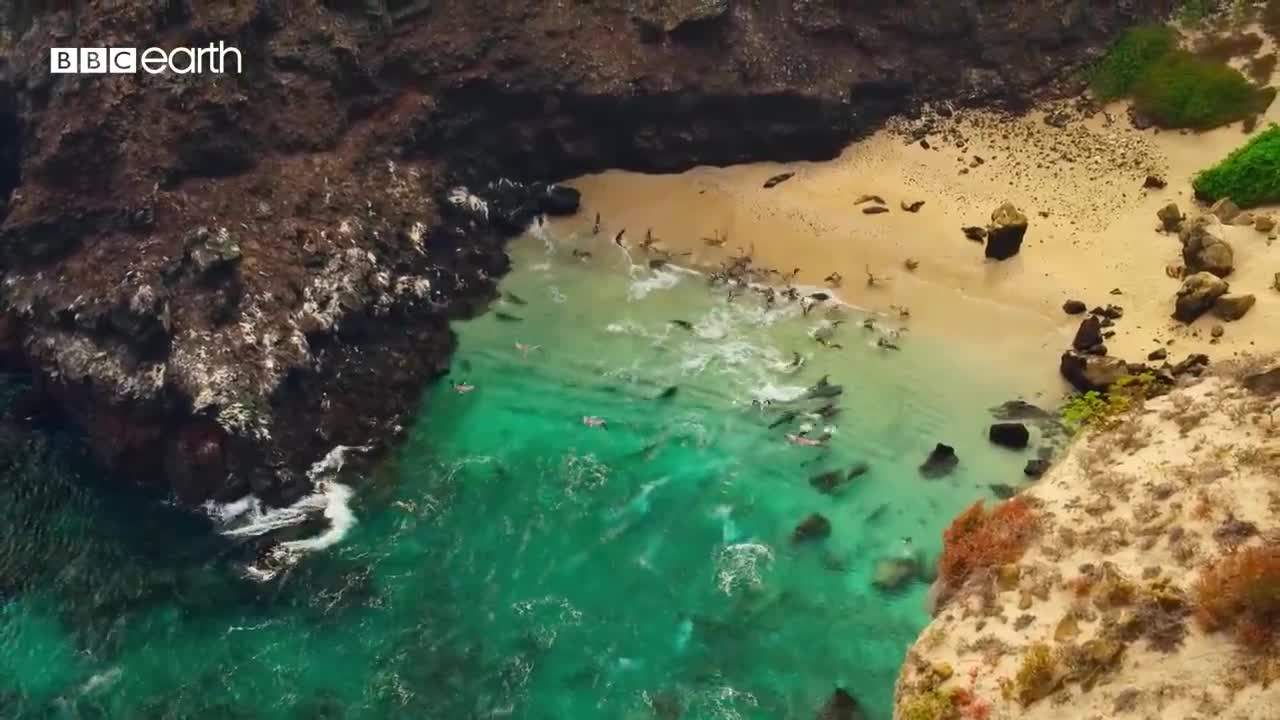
(218,278)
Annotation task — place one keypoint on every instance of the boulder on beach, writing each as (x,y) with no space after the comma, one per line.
(1154,182)
(941,461)
(814,527)
(560,200)
(1225,210)
(1074,307)
(1009,434)
(1170,217)
(1004,234)
(1089,333)
(1264,223)
(1158,354)
(1204,248)
(1233,306)
(1197,295)
(1088,372)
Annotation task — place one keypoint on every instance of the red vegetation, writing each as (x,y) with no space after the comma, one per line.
(978,539)
(1242,592)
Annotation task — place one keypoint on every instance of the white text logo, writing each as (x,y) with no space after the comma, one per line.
(216,59)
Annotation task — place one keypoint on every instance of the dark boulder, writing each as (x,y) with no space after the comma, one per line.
(814,527)
(1158,354)
(1036,467)
(842,706)
(1004,234)
(1197,295)
(1009,434)
(1091,372)
(1074,307)
(941,461)
(1088,334)
(560,200)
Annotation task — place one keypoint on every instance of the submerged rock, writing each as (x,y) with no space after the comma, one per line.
(1197,294)
(1036,467)
(1003,491)
(1203,247)
(1019,410)
(1009,434)
(842,706)
(1233,306)
(814,527)
(941,461)
(894,573)
(1004,234)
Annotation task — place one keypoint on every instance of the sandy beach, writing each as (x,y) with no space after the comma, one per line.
(1093,232)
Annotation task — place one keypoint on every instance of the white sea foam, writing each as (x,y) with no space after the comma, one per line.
(741,565)
(777,393)
(250,517)
(102,679)
(662,279)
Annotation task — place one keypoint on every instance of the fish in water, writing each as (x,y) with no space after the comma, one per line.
(514,298)
(683,324)
(463,388)
(877,513)
(668,393)
(506,317)
(824,389)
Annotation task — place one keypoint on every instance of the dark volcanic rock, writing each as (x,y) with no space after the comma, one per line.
(1036,467)
(842,706)
(1091,372)
(941,461)
(1089,334)
(1074,307)
(1009,434)
(1004,234)
(814,527)
(355,166)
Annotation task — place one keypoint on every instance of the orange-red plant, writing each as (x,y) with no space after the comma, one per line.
(1242,592)
(978,539)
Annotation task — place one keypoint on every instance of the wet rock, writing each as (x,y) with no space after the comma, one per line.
(1091,372)
(1225,210)
(1232,306)
(560,200)
(975,233)
(874,210)
(1036,467)
(912,206)
(1002,491)
(814,527)
(211,252)
(1158,354)
(1009,434)
(1192,365)
(1154,182)
(1170,217)
(1197,294)
(1005,233)
(941,461)
(842,706)
(1203,247)
(1019,410)
(1074,307)
(778,180)
(1264,223)
(1088,334)
(894,573)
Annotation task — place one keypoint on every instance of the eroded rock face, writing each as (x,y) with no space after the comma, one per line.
(1204,248)
(347,187)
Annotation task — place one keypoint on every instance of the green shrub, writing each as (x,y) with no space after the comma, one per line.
(1184,91)
(1095,408)
(1190,11)
(1129,59)
(1250,175)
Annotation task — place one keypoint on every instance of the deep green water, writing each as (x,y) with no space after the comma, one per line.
(510,561)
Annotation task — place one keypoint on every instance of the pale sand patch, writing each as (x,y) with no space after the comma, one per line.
(1146,497)
(1100,234)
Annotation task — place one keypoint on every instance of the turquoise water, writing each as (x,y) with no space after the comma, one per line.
(509,560)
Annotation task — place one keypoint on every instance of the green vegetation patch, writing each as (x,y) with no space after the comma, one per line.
(1185,91)
(1250,175)
(1130,58)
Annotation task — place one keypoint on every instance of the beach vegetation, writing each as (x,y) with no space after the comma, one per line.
(1102,409)
(1190,11)
(979,539)
(1037,676)
(1181,90)
(1241,593)
(1250,175)
(1130,58)
(932,705)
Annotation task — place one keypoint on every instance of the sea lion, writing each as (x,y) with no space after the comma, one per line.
(582,254)
(668,393)
(514,298)
(784,419)
(505,317)
(617,239)
(685,324)
(595,229)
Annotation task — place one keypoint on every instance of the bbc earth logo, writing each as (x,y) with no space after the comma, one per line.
(212,60)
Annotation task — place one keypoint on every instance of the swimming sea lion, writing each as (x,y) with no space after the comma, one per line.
(683,324)
(617,239)
(514,298)
(504,317)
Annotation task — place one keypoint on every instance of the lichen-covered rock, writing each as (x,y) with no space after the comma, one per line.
(1233,306)
(1197,295)
(1225,210)
(211,251)
(1204,248)
(1005,233)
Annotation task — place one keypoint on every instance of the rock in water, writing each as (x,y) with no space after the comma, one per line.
(1004,234)
(560,200)
(1074,307)
(814,527)
(1225,210)
(1233,306)
(1203,247)
(1018,410)
(1036,467)
(1170,217)
(892,573)
(842,706)
(941,461)
(1197,295)
(1089,334)
(1091,372)
(1009,434)
(1002,491)
(778,179)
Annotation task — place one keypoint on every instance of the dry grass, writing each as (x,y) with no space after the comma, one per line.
(982,540)
(1225,47)
(1241,592)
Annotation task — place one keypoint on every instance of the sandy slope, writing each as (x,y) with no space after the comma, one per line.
(1100,233)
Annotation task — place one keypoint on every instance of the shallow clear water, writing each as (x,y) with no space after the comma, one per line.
(508,560)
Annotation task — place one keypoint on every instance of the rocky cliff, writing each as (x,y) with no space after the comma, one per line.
(218,277)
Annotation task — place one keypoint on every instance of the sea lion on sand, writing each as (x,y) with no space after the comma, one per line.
(617,239)
(595,229)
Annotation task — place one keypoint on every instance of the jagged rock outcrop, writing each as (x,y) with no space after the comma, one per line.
(337,240)
(1197,295)
(1204,248)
